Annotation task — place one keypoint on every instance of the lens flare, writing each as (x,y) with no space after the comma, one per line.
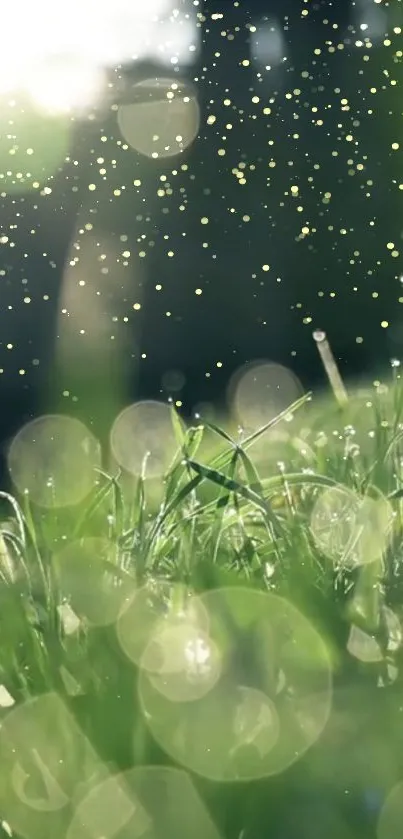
(59,56)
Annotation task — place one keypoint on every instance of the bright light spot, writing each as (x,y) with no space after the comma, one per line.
(6,700)
(183,663)
(58,54)
(319,336)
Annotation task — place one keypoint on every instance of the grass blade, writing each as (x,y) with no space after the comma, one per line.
(245,492)
(93,505)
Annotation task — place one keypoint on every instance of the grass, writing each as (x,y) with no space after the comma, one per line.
(233,510)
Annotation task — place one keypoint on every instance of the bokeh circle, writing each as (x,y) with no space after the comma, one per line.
(163,119)
(261,390)
(54,459)
(270,703)
(143,439)
(90,581)
(152,610)
(351,529)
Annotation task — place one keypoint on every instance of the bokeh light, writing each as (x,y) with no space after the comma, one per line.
(143,440)
(164,121)
(44,758)
(47,54)
(267,44)
(372,21)
(364,647)
(153,609)
(367,648)
(350,529)
(256,722)
(173,381)
(150,802)
(32,146)
(53,459)
(269,705)
(106,810)
(62,84)
(261,390)
(182,661)
(90,581)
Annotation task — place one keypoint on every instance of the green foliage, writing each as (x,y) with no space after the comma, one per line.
(233,510)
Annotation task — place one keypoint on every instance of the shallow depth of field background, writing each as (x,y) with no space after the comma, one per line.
(201,594)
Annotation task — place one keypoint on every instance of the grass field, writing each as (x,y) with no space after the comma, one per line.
(299,522)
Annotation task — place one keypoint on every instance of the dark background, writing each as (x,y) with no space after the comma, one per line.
(341,277)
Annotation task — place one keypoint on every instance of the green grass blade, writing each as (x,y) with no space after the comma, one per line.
(179,431)
(19,517)
(222,433)
(250,472)
(222,460)
(91,508)
(245,492)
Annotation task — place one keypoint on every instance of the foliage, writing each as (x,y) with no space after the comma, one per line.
(234,509)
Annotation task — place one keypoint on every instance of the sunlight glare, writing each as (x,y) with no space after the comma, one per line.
(87,37)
